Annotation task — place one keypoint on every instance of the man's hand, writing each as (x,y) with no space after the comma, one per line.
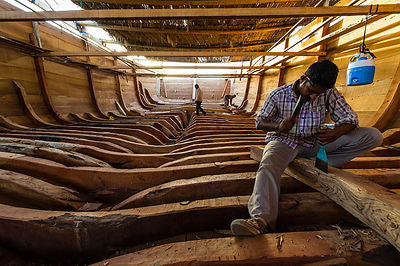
(327,135)
(287,124)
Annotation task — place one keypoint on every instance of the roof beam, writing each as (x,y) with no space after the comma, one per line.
(160,47)
(173,53)
(193,75)
(174,31)
(190,2)
(200,13)
(192,67)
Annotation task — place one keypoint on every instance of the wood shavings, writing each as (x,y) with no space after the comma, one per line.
(280,241)
(318,237)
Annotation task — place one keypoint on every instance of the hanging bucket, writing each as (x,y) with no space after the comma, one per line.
(361,69)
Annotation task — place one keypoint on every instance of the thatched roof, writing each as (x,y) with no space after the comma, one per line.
(221,34)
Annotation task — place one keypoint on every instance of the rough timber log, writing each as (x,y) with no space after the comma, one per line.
(95,235)
(296,248)
(126,181)
(214,186)
(28,192)
(67,158)
(116,159)
(356,163)
(371,203)
(100,144)
(204,187)
(124,141)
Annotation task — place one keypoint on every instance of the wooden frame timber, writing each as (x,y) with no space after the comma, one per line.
(44,88)
(200,13)
(190,2)
(195,32)
(191,67)
(173,53)
(391,104)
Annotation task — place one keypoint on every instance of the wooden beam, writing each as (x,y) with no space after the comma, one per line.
(173,53)
(176,31)
(90,235)
(320,247)
(199,13)
(190,2)
(373,204)
(335,35)
(192,75)
(191,67)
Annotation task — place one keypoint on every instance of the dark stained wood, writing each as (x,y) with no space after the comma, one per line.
(95,235)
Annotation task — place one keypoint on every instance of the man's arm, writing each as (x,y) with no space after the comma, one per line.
(268,125)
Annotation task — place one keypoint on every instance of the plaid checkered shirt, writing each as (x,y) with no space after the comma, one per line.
(280,104)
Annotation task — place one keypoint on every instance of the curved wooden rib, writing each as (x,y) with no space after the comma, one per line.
(27,107)
(130,181)
(93,93)
(69,235)
(390,105)
(41,75)
(258,96)
(96,118)
(5,122)
(121,98)
(149,98)
(24,191)
(140,97)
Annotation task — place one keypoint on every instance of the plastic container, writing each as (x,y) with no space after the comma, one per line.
(361,69)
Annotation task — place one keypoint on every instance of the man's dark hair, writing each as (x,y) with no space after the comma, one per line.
(323,73)
(196,86)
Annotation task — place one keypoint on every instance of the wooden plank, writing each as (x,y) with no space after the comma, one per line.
(297,248)
(172,53)
(199,13)
(373,204)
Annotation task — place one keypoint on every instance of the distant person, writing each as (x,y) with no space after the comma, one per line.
(228,99)
(198,99)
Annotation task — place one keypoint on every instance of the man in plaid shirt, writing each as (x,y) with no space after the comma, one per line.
(289,136)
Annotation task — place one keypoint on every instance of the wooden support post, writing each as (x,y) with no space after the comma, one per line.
(282,70)
(44,88)
(258,96)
